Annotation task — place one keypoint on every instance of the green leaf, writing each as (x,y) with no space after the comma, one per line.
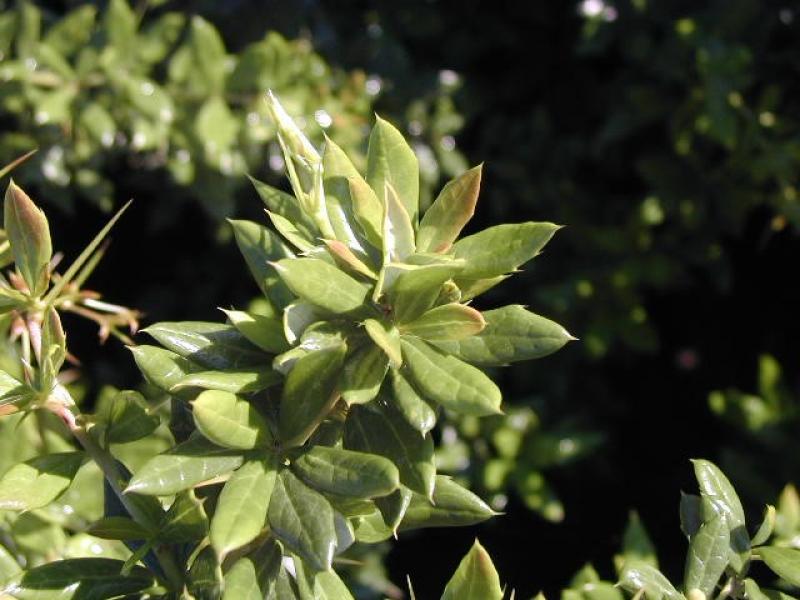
(328,586)
(126,418)
(264,332)
(636,544)
(643,577)
(29,234)
(471,287)
(204,580)
(161,367)
(297,317)
(367,210)
(691,514)
(322,284)
(72,32)
(511,334)
(475,579)
(707,557)
(216,126)
(309,394)
(348,260)
(9,567)
(398,230)
(39,481)
(378,429)
(785,562)
(287,207)
(503,248)
(229,421)
(191,463)
(212,345)
(387,337)
(337,168)
(303,520)
(241,511)
(718,494)
(452,209)
(766,528)
(451,506)
(241,381)
(346,473)
(186,520)
(208,56)
(390,160)
(260,247)
(290,232)
(449,322)
(363,374)
(415,290)
(252,577)
(444,379)
(80,579)
(120,27)
(118,528)
(414,408)
(394,506)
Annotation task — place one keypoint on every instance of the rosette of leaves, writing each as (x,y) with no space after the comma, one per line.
(316,411)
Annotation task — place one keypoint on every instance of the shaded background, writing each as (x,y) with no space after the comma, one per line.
(664,135)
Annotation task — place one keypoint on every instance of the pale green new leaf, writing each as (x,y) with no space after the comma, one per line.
(707,557)
(503,248)
(309,393)
(785,562)
(187,465)
(475,579)
(444,379)
(512,334)
(230,421)
(346,473)
(367,210)
(448,322)
(260,247)
(377,428)
(241,511)
(766,528)
(39,481)
(391,160)
(337,169)
(452,209)
(303,520)
(398,230)
(29,234)
(264,332)
(322,284)
(286,205)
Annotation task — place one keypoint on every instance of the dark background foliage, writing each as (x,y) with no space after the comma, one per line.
(663,134)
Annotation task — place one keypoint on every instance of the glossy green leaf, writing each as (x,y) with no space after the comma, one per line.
(346,473)
(161,367)
(642,577)
(448,381)
(390,160)
(636,543)
(718,493)
(691,514)
(309,394)
(204,580)
(377,428)
(475,579)
(367,210)
(707,557)
(349,260)
(185,521)
(398,230)
(322,284)
(451,506)
(184,466)
(240,381)
(118,528)
(126,418)
(452,209)
(472,287)
(328,586)
(415,290)
(387,337)
(503,248)
(449,322)
(290,232)
(413,407)
(286,205)
(363,374)
(39,481)
(394,506)
(212,345)
(511,334)
(80,579)
(230,421)
(766,528)
(260,247)
(29,234)
(241,511)
(303,520)
(785,562)
(261,331)
(337,168)
(253,576)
